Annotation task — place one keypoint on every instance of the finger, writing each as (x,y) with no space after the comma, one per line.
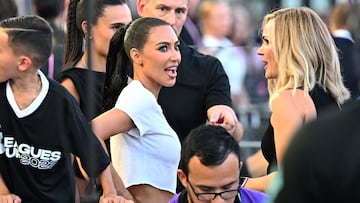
(16,199)
(215,117)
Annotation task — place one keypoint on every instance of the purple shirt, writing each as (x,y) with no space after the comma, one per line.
(247,196)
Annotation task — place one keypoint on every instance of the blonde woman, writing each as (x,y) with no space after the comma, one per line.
(304,79)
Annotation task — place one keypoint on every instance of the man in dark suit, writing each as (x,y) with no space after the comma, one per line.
(348,52)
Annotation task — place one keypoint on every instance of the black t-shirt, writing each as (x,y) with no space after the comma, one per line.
(35,160)
(201,83)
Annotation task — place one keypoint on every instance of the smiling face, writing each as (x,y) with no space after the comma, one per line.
(266,51)
(156,65)
(113,18)
(173,12)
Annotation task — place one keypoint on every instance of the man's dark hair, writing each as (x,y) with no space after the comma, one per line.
(211,144)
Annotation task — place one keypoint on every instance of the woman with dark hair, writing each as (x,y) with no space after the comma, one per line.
(135,122)
(78,76)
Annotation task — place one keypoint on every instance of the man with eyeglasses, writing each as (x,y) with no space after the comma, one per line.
(209,169)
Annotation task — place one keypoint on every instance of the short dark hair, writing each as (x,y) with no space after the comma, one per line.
(29,35)
(211,144)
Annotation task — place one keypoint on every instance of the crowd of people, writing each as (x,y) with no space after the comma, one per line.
(116,102)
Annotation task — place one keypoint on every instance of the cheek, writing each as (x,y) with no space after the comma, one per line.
(102,42)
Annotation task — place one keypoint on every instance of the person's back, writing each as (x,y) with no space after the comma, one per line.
(348,52)
(327,175)
(210,167)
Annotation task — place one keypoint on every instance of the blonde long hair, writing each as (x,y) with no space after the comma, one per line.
(305,53)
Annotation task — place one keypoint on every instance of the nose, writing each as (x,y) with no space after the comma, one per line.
(260,51)
(176,56)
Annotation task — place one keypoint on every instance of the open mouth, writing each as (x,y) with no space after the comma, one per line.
(171,72)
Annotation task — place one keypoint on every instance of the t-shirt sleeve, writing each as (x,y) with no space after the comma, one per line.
(140,105)
(85,144)
(218,91)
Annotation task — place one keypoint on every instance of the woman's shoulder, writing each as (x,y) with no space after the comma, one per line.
(293,100)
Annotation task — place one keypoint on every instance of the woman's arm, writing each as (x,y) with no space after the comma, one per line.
(257,164)
(112,122)
(109,191)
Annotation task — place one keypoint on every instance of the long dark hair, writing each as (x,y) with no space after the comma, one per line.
(77,13)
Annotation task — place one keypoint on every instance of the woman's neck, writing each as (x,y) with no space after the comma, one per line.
(98,63)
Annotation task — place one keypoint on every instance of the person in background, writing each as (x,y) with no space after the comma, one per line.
(304,80)
(348,52)
(54,12)
(145,150)
(322,163)
(210,168)
(8,9)
(190,33)
(36,140)
(86,82)
(216,20)
(242,35)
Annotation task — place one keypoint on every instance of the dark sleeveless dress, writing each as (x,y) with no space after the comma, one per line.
(90,100)
(323,102)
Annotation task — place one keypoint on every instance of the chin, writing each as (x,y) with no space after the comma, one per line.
(170,83)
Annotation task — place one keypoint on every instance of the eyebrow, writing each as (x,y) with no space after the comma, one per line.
(117,24)
(167,43)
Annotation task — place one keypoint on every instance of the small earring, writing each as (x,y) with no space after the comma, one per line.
(88,36)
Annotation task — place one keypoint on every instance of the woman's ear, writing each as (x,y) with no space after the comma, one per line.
(136,56)
(24,63)
(84,28)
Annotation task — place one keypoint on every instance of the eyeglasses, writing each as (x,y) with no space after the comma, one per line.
(207,196)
